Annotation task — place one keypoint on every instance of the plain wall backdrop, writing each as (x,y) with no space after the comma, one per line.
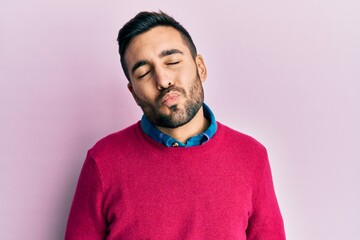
(285,72)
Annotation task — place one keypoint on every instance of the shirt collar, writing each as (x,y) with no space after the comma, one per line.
(168,141)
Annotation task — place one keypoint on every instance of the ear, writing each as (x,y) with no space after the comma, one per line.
(200,65)
(131,89)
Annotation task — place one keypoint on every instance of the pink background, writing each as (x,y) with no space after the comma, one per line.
(285,72)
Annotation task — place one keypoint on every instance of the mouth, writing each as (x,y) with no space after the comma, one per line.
(171,98)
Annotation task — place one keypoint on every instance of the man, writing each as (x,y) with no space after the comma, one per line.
(176,174)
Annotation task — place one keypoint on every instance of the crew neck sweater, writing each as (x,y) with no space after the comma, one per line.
(132,187)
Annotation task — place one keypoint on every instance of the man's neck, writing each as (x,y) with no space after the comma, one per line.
(196,126)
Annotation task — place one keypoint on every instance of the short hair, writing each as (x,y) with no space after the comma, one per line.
(143,22)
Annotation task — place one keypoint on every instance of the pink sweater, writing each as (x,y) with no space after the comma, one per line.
(132,187)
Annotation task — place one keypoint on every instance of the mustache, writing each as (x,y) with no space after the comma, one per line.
(170,89)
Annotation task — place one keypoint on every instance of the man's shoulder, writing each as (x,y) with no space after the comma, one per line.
(121,139)
(235,137)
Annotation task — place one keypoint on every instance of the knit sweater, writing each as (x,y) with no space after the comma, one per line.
(132,187)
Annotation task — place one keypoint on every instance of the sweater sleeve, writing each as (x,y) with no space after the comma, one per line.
(265,222)
(86,220)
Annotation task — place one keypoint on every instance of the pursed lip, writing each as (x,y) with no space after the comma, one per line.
(170,95)
(170,98)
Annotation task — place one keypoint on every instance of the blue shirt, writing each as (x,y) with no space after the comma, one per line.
(168,141)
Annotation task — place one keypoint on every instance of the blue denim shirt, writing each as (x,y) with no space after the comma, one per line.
(168,141)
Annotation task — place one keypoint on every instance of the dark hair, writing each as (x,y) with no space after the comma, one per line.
(144,21)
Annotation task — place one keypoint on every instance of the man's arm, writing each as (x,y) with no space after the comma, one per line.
(86,220)
(265,222)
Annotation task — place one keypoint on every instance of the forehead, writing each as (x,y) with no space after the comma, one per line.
(154,42)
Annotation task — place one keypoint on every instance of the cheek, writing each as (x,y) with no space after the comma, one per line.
(144,93)
(187,74)
(189,78)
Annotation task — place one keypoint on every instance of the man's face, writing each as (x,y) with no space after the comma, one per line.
(165,80)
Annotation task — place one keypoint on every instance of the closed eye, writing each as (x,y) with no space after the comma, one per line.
(172,63)
(143,75)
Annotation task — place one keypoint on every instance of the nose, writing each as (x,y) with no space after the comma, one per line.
(162,78)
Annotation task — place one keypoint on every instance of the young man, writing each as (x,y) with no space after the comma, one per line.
(176,174)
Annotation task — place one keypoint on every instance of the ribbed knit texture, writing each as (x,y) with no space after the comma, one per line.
(132,187)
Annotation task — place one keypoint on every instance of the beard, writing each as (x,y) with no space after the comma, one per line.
(179,115)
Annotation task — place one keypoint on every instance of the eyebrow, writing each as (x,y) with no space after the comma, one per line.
(138,64)
(170,52)
(161,55)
